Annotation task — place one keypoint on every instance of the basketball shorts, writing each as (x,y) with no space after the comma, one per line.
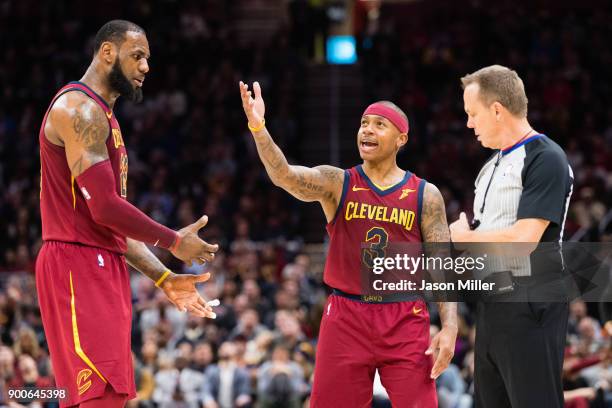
(85,304)
(358,338)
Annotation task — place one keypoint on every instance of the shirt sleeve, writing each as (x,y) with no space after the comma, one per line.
(545,185)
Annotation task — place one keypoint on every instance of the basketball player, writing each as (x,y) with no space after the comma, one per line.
(359,336)
(90,230)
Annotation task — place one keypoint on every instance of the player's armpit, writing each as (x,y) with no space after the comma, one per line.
(83,128)
(434,227)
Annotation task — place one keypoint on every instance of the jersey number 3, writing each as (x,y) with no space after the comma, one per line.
(378,239)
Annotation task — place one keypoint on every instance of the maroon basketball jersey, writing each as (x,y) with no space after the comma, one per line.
(370,216)
(64,212)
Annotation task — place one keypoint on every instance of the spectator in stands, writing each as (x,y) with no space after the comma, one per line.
(202,356)
(281,381)
(248,325)
(227,384)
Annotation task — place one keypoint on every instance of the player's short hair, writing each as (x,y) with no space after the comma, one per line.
(114,31)
(499,84)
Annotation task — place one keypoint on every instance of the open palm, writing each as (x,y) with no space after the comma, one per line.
(254,108)
(182,292)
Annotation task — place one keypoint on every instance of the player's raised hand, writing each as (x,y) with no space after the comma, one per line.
(254,107)
(443,348)
(190,248)
(182,292)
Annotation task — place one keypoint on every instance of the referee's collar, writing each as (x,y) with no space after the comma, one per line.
(519,144)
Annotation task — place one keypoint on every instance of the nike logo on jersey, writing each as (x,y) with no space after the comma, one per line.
(405,193)
(355,188)
(109,114)
(416,310)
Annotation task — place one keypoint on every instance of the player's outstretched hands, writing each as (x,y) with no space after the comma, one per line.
(182,292)
(254,108)
(190,247)
(443,348)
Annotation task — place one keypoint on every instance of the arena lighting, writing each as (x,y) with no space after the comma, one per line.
(341,50)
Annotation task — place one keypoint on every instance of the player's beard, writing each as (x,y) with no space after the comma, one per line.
(119,82)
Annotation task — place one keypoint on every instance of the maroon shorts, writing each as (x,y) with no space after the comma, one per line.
(85,303)
(356,339)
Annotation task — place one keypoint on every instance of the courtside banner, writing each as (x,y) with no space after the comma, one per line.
(492,272)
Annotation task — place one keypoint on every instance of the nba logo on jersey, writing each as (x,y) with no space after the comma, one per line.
(100,260)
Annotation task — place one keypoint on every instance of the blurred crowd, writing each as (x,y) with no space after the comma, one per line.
(415,54)
(190,154)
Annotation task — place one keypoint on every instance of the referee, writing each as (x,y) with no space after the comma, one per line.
(522,195)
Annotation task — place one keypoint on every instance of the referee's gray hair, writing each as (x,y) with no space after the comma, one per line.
(499,84)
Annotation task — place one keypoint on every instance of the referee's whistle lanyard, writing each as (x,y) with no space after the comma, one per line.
(476,222)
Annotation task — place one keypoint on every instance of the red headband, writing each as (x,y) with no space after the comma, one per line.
(389,113)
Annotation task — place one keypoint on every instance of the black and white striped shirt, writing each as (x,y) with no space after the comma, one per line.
(531,179)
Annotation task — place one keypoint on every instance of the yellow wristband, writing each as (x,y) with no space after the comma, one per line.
(258,128)
(163,278)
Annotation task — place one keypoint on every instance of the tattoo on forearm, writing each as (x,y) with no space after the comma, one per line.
(143,260)
(304,183)
(273,157)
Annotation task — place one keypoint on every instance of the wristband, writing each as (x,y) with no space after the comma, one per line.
(176,243)
(258,128)
(163,278)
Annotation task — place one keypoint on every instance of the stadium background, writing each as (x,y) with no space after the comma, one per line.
(190,153)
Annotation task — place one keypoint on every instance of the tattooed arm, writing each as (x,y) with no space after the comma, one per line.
(180,289)
(139,257)
(321,183)
(81,126)
(434,229)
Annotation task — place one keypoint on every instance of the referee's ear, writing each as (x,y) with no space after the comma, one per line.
(498,109)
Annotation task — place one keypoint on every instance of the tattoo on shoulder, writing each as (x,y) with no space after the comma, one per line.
(434,226)
(91,128)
